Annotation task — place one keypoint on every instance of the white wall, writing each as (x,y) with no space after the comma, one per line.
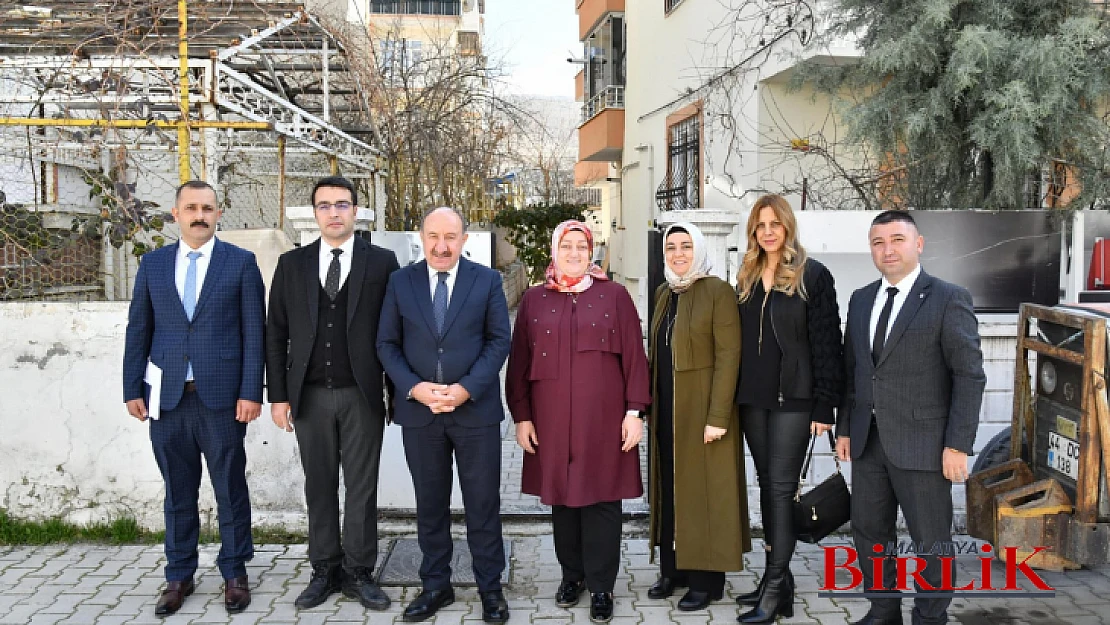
(677,54)
(71,450)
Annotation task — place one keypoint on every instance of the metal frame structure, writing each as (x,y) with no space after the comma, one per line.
(223,74)
(1025,502)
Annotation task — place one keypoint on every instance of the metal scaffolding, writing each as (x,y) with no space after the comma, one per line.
(252,96)
(249,65)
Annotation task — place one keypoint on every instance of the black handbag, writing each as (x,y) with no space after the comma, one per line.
(826,507)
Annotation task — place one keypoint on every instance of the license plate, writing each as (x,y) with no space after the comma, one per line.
(1063,455)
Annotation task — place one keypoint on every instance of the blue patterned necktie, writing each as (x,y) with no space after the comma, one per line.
(439,307)
(439,301)
(189,297)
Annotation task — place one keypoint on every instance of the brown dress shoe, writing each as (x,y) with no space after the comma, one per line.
(173,596)
(237,594)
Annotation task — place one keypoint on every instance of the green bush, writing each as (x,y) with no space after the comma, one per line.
(530,232)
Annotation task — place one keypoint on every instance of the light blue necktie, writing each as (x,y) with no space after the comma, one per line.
(189,298)
(439,308)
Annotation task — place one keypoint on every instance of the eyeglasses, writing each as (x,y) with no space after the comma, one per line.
(342,207)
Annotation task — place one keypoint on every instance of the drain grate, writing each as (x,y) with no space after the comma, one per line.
(402,565)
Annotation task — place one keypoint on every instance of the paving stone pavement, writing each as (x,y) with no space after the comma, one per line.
(99,585)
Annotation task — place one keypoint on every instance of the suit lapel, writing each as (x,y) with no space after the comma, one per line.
(914,300)
(170,270)
(861,333)
(311,267)
(422,290)
(354,280)
(212,276)
(464,281)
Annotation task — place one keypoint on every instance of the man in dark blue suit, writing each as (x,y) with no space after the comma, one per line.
(198,314)
(443,336)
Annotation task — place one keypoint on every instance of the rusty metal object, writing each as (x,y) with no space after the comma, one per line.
(983,487)
(1036,515)
(1085,543)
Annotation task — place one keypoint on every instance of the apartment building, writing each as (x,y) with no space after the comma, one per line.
(686,105)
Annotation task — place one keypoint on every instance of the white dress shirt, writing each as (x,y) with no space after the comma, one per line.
(904,286)
(182,266)
(348,248)
(433,279)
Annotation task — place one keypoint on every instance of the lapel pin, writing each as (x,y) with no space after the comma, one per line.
(921,296)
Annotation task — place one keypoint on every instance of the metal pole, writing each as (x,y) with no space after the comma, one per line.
(184,171)
(281,182)
(326,84)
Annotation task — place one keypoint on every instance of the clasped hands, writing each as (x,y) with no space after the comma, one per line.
(440,398)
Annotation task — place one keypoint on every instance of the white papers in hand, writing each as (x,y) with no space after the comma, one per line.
(153,377)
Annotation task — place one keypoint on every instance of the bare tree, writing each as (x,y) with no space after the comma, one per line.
(750,40)
(441,121)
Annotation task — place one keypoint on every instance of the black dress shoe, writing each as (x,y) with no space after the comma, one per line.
(326,581)
(237,594)
(361,586)
(879,620)
(173,596)
(601,607)
(427,603)
(568,593)
(664,587)
(697,600)
(494,607)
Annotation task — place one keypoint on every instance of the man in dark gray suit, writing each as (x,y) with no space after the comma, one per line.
(915,386)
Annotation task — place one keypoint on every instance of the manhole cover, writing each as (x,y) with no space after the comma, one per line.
(402,565)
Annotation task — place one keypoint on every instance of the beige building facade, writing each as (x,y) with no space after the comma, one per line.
(686,104)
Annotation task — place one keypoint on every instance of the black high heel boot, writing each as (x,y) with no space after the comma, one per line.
(752,597)
(777,599)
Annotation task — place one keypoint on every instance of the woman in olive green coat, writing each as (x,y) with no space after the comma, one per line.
(699,514)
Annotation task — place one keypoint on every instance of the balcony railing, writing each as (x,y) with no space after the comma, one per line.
(417,7)
(611,97)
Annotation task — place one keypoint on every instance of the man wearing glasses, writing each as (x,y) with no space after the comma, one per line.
(325,383)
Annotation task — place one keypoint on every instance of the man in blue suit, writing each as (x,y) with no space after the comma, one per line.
(443,336)
(198,313)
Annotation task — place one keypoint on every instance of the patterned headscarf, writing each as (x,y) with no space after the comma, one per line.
(701,266)
(558,281)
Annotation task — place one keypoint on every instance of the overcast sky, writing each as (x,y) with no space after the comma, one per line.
(533,37)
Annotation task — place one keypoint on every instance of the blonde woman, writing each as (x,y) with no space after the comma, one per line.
(791,376)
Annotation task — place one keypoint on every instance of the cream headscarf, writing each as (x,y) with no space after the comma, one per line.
(701,266)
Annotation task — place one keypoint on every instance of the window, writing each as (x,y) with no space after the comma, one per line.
(399,55)
(681,188)
(604,77)
(417,7)
(468,43)
(605,56)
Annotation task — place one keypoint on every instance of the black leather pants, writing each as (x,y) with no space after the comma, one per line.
(778,443)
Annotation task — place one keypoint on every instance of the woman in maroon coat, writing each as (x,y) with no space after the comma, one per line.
(576,386)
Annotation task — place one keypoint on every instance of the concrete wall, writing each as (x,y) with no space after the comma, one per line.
(71,450)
